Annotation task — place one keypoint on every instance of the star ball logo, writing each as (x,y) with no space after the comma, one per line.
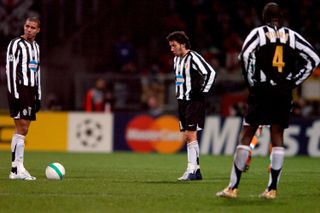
(147,134)
(89,133)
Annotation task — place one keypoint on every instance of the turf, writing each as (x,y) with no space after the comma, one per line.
(128,182)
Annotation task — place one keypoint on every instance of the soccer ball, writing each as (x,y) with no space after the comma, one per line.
(55,171)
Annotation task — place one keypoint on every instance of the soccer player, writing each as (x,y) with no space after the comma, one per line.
(24,91)
(194,78)
(275,60)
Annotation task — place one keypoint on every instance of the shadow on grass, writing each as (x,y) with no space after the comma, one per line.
(247,201)
(174,182)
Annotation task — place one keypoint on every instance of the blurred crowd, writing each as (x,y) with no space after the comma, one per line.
(217,29)
(133,43)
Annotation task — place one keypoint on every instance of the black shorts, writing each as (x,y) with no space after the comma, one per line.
(24,107)
(268,110)
(191,115)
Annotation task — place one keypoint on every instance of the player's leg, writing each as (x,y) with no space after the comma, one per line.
(192,149)
(193,153)
(193,121)
(17,148)
(240,157)
(17,144)
(255,139)
(277,158)
(193,168)
(23,112)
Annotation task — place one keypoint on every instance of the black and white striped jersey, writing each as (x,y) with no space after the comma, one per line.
(271,56)
(193,76)
(23,66)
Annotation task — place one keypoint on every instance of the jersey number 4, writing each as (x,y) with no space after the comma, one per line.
(278,58)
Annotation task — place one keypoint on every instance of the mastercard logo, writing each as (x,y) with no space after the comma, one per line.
(147,134)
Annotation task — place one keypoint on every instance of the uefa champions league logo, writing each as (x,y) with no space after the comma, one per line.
(89,133)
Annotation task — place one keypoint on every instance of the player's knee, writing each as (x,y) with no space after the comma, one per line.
(190,136)
(23,130)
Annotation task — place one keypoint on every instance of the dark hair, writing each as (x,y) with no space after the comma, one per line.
(34,19)
(272,14)
(180,37)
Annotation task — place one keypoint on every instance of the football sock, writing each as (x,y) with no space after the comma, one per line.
(17,149)
(193,155)
(277,158)
(239,162)
(13,150)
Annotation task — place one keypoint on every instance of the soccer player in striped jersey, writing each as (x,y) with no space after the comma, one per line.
(24,91)
(275,60)
(194,78)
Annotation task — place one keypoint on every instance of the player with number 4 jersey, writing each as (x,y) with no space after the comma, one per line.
(275,60)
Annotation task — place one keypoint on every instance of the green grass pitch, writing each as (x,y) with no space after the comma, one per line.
(129,182)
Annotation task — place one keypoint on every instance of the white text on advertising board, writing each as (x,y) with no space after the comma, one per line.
(220,136)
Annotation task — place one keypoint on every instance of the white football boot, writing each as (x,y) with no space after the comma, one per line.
(22,174)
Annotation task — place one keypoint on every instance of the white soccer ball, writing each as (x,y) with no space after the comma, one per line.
(55,171)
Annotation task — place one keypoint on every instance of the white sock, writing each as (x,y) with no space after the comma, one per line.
(239,162)
(277,158)
(17,148)
(193,155)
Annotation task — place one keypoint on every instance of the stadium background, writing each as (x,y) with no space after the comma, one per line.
(124,42)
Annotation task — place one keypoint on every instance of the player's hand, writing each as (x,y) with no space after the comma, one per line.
(38,105)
